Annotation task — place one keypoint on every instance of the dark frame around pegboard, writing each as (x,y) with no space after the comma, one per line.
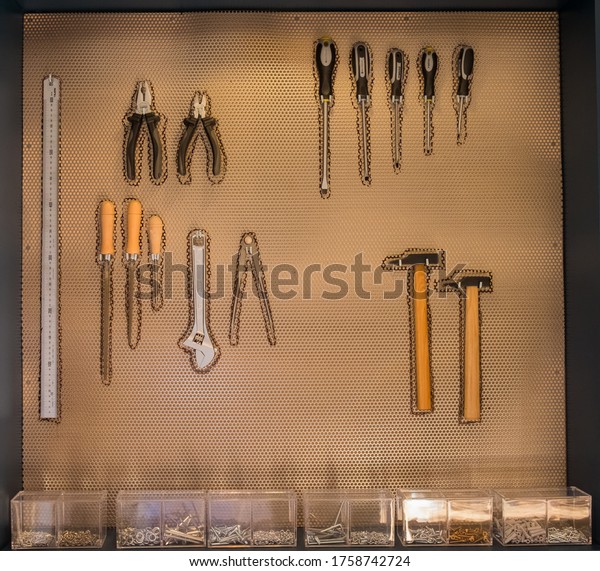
(582,207)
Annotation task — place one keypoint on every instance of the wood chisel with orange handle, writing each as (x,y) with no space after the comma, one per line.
(132,256)
(107,252)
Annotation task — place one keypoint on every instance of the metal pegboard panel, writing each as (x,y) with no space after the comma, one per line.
(329,405)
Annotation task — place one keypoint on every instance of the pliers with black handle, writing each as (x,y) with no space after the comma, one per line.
(198,116)
(143,112)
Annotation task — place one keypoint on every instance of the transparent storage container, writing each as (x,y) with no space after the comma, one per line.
(64,520)
(422,517)
(470,514)
(357,518)
(445,517)
(161,519)
(543,516)
(252,519)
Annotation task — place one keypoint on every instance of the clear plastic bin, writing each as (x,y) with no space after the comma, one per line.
(357,518)
(543,516)
(470,514)
(252,519)
(161,519)
(63,520)
(422,517)
(445,517)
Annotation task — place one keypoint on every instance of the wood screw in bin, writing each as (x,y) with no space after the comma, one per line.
(35,539)
(78,539)
(468,535)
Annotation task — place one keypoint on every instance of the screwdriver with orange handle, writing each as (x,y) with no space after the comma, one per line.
(107,252)
(155,234)
(132,256)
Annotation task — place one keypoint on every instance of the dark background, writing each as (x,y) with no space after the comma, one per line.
(579,22)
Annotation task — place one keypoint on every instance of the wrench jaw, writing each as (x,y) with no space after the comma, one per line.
(201,344)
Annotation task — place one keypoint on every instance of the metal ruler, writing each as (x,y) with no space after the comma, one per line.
(49,377)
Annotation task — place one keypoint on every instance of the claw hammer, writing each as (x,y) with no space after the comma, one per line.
(419,262)
(469,284)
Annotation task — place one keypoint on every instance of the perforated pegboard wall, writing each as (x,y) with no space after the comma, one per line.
(329,405)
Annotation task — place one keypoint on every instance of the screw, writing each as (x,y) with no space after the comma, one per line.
(369,538)
(272,537)
(567,534)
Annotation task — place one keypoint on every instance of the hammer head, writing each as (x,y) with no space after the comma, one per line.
(433,259)
(459,281)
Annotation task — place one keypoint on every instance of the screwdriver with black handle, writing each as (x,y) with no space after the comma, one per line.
(396,77)
(466,58)
(325,56)
(429,66)
(361,69)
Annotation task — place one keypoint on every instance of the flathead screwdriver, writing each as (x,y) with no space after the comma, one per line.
(325,59)
(429,65)
(361,68)
(396,77)
(466,58)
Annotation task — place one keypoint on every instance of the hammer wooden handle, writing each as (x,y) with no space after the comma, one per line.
(472,380)
(421,319)
(134,224)
(107,227)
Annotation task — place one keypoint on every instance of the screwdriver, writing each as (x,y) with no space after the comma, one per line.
(107,252)
(361,68)
(466,57)
(325,59)
(396,77)
(155,233)
(132,254)
(429,64)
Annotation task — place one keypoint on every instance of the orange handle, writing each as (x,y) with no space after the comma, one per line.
(155,231)
(422,365)
(107,227)
(134,225)
(472,386)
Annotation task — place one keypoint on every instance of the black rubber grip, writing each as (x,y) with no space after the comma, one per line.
(326,52)
(131,147)
(152,121)
(396,72)
(466,58)
(184,143)
(429,63)
(209,127)
(361,67)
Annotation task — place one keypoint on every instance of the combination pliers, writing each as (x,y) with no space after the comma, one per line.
(198,116)
(143,113)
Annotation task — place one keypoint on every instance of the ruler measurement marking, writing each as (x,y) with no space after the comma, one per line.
(49,371)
